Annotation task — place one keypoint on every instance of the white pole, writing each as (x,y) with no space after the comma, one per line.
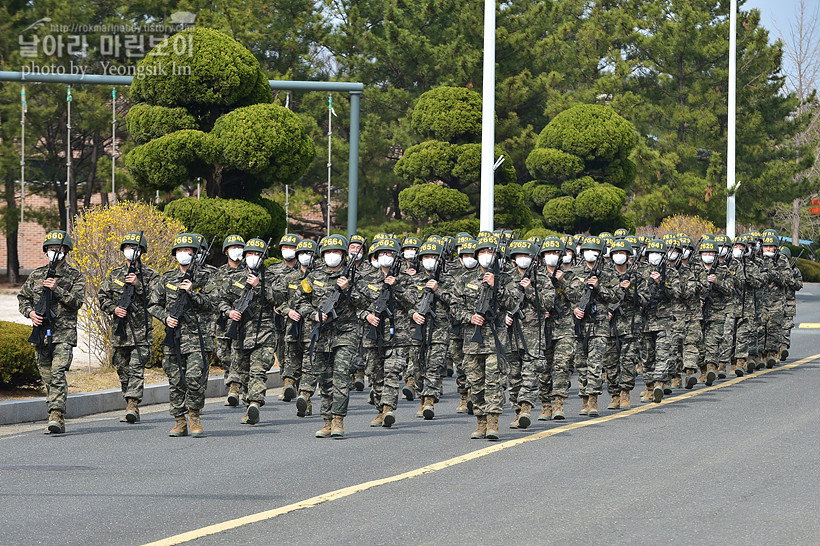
(329,144)
(23,109)
(730,152)
(113,142)
(68,162)
(287,202)
(488,119)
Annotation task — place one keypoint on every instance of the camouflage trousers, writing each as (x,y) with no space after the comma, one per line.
(455,359)
(523,377)
(621,367)
(224,353)
(485,378)
(590,376)
(130,365)
(659,360)
(261,360)
(240,367)
(188,392)
(431,368)
(771,333)
(727,347)
(333,371)
(294,362)
(559,360)
(788,325)
(52,371)
(688,347)
(713,338)
(279,348)
(384,371)
(745,338)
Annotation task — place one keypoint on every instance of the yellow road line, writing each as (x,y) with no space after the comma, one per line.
(809,325)
(353,489)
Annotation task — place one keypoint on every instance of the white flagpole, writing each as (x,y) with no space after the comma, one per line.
(113,142)
(330,115)
(68,162)
(730,152)
(488,120)
(23,109)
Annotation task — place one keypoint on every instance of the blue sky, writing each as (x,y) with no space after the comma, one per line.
(776,14)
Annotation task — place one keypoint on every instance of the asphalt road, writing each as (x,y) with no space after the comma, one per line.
(735,464)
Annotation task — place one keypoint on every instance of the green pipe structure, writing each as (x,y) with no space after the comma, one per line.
(354,89)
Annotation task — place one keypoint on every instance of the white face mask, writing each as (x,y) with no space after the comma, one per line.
(288,253)
(686,254)
(52,253)
(130,254)
(567,258)
(305,258)
(551,259)
(332,259)
(768,254)
(674,255)
(523,261)
(386,260)
(485,260)
(655,258)
(619,258)
(590,255)
(469,262)
(252,261)
(375,263)
(184,258)
(429,263)
(409,254)
(707,258)
(723,250)
(737,253)
(235,254)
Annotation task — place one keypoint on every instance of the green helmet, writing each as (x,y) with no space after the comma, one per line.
(468,247)
(289,239)
(621,232)
(786,252)
(722,240)
(487,242)
(462,237)
(360,239)
(644,239)
(604,234)
(708,245)
(522,247)
(552,243)
(674,242)
(535,239)
(686,241)
(667,236)
(232,240)
(58,237)
(633,240)
(135,238)
(740,240)
(770,231)
(335,242)
(379,236)
(484,234)
(593,243)
(387,243)
(656,245)
(431,248)
(306,245)
(185,240)
(255,245)
(621,245)
(771,240)
(411,242)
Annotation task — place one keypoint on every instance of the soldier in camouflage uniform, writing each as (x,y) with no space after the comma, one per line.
(233,247)
(525,330)
(430,333)
(54,352)
(717,293)
(132,349)
(333,351)
(186,363)
(689,350)
(412,375)
(664,286)
(561,345)
(747,279)
(455,344)
(295,369)
(485,372)
(777,273)
(592,323)
(357,246)
(255,334)
(287,247)
(626,322)
(211,272)
(794,283)
(678,308)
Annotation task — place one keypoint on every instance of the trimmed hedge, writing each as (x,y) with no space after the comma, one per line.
(809,269)
(17,363)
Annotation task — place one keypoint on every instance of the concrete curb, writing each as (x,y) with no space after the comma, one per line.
(87,403)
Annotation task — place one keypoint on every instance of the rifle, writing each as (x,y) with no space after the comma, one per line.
(427,308)
(246,297)
(707,299)
(555,311)
(179,311)
(328,307)
(127,296)
(486,303)
(794,260)
(383,307)
(585,303)
(296,327)
(515,330)
(43,333)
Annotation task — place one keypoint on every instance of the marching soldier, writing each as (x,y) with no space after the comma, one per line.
(233,247)
(51,297)
(357,246)
(287,247)
(794,283)
(133,330)
(718,289)
(182,300)
(466,262)
(775,268)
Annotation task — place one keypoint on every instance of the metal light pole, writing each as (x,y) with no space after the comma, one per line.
(730,152)
(68,162)
(488,120)
(23,109)
(113,142)
(287,202)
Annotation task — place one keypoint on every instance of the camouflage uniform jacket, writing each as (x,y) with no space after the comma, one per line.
(627,313)
(139,328)
(202,294)
(462,302)
(217,278)
(561,319)
(690,291)
(451,277)
(370,288)
(67,298)
(721,292)
(414,291)
(532,309)
(607,292)
(775,275)
(346,328)
(278,271)
(793,284)
(657,312)
(284,292)
(256,326)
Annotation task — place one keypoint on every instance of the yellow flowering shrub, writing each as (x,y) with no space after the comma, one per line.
(97,235)
(693,226)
